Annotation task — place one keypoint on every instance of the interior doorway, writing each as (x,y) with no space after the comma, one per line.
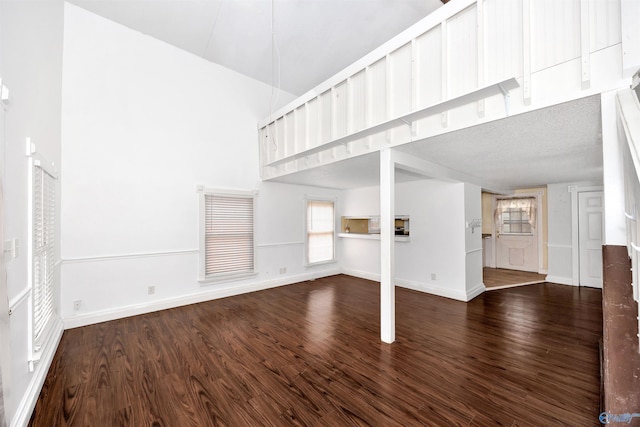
(514,231)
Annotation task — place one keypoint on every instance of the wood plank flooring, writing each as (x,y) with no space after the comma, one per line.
(310,354)
(499,278)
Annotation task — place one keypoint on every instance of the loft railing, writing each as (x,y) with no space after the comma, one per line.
(629,120)
(469,62)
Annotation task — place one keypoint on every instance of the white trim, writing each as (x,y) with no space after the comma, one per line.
(559,280)
(226,277)
(208,295)
(112,257)
(420,287)
(306,200)
(272,245)
(472,251)
(203,192)
(30,396)
(557,246)
(575,244)
(19,299)
(515,285)
(372,237)
(128,256)
(433,290)
(538,195)
(475,291)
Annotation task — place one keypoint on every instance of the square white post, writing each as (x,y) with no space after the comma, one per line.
(387,247)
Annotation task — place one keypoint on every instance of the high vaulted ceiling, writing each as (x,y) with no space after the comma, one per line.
(297,44)
(312,39)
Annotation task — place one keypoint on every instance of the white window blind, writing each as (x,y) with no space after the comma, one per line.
(320,231)
(43,252)
(228,234)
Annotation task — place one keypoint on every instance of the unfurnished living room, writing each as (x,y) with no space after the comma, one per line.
(319,212)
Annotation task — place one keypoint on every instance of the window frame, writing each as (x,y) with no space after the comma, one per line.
(203,277)
(515,223)
(308,200)
(44,257)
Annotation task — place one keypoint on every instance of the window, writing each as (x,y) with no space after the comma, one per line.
(227,247)
(320,231)
(515,216)
(42,248)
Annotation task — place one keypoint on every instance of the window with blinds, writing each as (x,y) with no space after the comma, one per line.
(43,252)
(320,231)
(227,235)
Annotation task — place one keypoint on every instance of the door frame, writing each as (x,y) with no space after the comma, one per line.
(575,240)
(539,224)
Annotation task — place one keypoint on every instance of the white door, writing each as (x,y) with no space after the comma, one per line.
(516,237)
(517,252)
(590,233)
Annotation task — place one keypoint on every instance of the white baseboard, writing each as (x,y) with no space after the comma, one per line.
(421,287)
(475,291)
(361,274)
(208,295)
(559,280)
(30,397)
(433,290)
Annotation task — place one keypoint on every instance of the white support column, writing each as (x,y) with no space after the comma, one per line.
(387,247)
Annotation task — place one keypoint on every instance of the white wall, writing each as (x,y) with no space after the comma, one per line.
(473,240)
(144,123)
(559,237)
(31,67)
(438,243)
(560,268)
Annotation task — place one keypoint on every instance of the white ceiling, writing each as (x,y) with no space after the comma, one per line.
(314,39)
(562,143)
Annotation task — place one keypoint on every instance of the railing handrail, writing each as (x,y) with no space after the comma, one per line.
(427,23)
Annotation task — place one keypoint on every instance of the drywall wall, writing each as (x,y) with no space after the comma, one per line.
(560,246)
(144,123)
(434,260)
(31,67)
(559,239)
(473,240)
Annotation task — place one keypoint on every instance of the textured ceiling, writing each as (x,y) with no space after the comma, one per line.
(562,143)
(314,39)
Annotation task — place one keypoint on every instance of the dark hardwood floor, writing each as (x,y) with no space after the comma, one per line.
(310,354)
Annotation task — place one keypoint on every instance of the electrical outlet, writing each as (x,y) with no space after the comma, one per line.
(76,305)
(433,276)
(283,270)
(151,290)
